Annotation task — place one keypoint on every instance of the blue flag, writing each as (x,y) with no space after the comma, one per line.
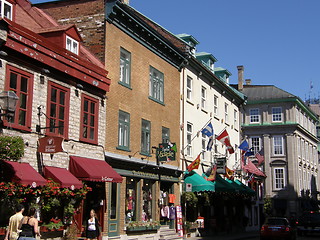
(249,152)
(244,146)
(208,130)
(210,144)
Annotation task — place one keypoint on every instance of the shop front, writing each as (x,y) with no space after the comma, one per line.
(149,195)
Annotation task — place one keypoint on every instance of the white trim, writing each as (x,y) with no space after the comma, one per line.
(71,48)
(3,2)
(283,178)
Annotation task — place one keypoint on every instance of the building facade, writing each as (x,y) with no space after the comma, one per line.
(143,111)
(61,112)
(284,128)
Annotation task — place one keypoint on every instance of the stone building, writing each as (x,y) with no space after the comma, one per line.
(143,108)
(284,128)
(61,113)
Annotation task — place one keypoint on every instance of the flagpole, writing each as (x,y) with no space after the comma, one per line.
(198,132)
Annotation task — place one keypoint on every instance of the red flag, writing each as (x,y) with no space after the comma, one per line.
(251,168)
(212,176)
(224,138)
(260,157)
(195,164)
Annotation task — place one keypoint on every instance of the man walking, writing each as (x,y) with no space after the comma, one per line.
(14,221)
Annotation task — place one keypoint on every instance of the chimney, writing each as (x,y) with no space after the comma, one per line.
(248,81)
(240,77)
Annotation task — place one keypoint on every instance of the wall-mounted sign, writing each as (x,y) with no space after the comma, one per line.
(166,152)
(221,163)
(50,144)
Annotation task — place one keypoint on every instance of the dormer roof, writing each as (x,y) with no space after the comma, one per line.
(189,39)
(205,56)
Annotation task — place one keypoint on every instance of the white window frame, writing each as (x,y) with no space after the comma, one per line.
(156,85)
(189,139)
(226,112)
(203,97)
(2,14)
(255,143)
(235,118)
(277,115)
(71,48)
(215,105)
(278,149)
(254,115)
(124,130)
(125,66)
(279,178)
(189,88)
(203,145)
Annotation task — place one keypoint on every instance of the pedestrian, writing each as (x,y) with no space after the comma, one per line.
(14,221)
(29,226)
(92,231)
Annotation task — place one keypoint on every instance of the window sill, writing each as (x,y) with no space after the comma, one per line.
(190,102)
(145,154)
(204,110)
(123,149)
(125,85)
(156,100)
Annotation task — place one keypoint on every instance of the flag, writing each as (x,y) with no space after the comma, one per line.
(173,146)
(260,156)
(195,164)
(244,146)
(212,176)
(229,173)
(208,130)
(210,144)
(224,138)
(251,177)
(251,168)
(250,152)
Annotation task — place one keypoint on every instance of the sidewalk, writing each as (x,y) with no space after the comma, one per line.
(229,236)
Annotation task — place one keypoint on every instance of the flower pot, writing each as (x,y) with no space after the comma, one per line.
(2,231)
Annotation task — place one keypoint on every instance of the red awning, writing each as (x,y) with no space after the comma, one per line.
(23,173)
(93,170)
(62,176)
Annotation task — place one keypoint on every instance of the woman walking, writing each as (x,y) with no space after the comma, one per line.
(29,226)
(93,231)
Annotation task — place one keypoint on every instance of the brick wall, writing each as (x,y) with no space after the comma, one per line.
(89,18)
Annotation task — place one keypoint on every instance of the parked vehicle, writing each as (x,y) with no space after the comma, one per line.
(277,228)
(308,222)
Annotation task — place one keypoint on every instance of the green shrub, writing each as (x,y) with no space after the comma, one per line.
(11,148)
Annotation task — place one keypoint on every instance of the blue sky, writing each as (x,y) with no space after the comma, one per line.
(277,41)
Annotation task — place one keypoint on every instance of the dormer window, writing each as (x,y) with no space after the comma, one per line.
(6,9)
(72,45)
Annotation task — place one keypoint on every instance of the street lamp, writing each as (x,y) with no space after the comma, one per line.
(8,103)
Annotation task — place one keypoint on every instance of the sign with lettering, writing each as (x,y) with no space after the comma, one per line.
(50,144)
(166,152)
(221,163)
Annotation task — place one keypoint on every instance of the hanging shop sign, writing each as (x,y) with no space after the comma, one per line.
(50,144)
(221,163)
(166,152)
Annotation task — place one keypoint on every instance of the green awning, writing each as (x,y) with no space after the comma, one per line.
(199,184)
(248,190)
(222,185)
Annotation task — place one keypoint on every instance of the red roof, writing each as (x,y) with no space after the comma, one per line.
(63,177)
(93,170)
(23,173)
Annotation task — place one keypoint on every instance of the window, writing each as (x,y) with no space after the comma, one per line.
(131,199)
(124,130)
(203,97)
(276,114)
(255,144)
(203,145)
(226,110)
(189,88)
(254,115)
(189,139)
(58,110)
(72,45)
(89,120)
(6,9)
(145,137)
(235,119)
(21,83)
(278,145)
(165,134)
(215,105)
(279,178)
(156,85)
(125,67)
(147,203)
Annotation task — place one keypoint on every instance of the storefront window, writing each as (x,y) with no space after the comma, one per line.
(131,200)
(147,200)
(166,202)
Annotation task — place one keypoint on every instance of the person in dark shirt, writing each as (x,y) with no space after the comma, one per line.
(29,226)
(92,231)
